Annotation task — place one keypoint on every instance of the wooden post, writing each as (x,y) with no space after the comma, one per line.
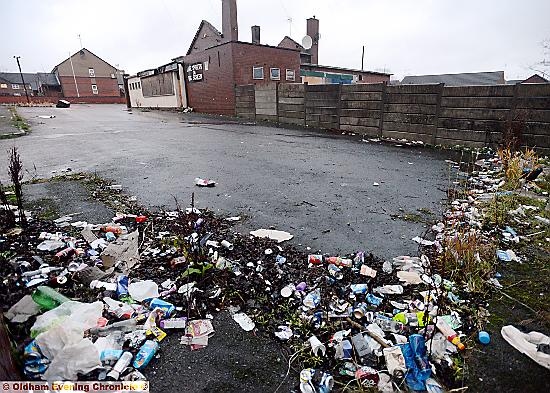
(382,110)
(339,105)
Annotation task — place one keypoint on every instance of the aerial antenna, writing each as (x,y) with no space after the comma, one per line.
(307,42)
(289,26)
(80,39)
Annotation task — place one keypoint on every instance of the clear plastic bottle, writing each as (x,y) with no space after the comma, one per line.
(449,332)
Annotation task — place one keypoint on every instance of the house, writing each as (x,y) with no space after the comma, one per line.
(535,78)
(162,87)
(85,77)
(217,61)
(38,84)
(463,79)
(314,74)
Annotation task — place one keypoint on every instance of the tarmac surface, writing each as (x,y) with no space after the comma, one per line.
(319,186)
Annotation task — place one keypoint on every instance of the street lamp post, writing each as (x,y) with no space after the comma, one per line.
(23,79)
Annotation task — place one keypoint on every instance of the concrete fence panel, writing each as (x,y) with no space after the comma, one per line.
(465,115)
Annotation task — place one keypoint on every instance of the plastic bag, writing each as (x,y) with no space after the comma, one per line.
(52,341)
(80,358)
(80,315)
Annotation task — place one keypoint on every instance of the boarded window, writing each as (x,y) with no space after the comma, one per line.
(158,85)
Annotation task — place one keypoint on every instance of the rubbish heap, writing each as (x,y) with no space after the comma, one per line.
(100,299)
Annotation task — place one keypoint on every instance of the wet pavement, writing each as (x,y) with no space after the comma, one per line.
(317,185)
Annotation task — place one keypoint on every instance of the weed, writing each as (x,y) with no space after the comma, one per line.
(15,170)
(469,259)
(18,121)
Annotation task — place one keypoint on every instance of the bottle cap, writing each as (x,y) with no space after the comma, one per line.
(484,337)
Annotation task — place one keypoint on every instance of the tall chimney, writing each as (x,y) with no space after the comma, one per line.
(255,34)
(313,32)
(230,30)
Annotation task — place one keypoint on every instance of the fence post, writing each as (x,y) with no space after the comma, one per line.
(305,106)
(437,112)
(382,110)
(254,100)
(339,107)
(511,113)
(277,101)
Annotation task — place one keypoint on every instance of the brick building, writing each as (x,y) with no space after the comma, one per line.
(85,77)
(38,85)
(314,74)
(216,62)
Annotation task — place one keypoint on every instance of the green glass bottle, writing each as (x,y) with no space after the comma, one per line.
(48,298)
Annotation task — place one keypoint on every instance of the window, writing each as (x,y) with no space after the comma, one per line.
(94,89)
(275,74)
(3,86)
(360,77)
(17,94)
(289,75)
(113,76)
(132,86)
(91,72)
(139,85)
(15,87)
(257,72)
(157,85)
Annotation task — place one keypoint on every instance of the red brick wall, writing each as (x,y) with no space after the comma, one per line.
(216,93)
(231,64)
(53,100)
(374,78)
(107,87)
(247,56)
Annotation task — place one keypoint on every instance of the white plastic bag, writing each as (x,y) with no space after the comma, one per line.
(80,315)
(52,341)
(79,358)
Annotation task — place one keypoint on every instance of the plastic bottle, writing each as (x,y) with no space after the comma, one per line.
(120,366)
(48,298)
(145,354)
(125,326)
(449,332)
(338,261)
(389,325)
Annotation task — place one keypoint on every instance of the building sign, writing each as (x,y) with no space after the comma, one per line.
(146,73)
(194,72)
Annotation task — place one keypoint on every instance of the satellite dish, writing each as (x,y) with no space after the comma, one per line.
(307,42)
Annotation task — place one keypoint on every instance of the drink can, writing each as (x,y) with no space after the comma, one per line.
(65,254)
(315,259)
(122,286)
(359,288)
(335,271)
(360,310)
(368,376)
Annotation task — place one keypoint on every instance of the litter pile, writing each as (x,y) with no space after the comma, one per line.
(122,286)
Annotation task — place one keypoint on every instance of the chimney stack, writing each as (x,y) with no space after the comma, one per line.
(255,34)
(313,32)
(230,29)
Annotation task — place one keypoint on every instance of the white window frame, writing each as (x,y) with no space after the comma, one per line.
(91,71)
(15,86)
(254,68)
(95,91)
(290,72)
(278,78)
(3,85)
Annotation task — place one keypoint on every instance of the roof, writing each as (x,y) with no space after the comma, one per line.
(87,50)
(35,80)
(343,69)
(463,79)
(203,23)
(298,46)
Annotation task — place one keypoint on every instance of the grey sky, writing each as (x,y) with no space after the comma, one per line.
(404,37)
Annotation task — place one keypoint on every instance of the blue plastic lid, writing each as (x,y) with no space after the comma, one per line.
(484,337)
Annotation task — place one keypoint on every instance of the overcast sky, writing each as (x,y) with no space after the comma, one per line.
(404,37)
